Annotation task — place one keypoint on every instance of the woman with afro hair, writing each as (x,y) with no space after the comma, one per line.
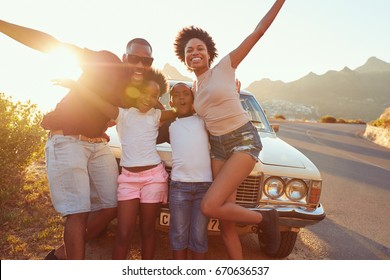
(235,143)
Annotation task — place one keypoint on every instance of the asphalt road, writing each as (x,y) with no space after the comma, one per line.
(356,190)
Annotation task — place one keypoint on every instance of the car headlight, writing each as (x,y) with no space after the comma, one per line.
(273,187)
(296,190)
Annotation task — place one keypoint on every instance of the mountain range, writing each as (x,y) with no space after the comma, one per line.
(362,93)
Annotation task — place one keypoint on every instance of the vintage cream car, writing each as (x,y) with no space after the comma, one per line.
(283,179)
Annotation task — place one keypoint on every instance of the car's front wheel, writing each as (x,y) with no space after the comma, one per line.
(287,243)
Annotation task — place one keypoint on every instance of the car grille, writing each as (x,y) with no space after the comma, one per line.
(247,193)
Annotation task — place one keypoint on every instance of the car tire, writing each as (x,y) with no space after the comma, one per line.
(287,244)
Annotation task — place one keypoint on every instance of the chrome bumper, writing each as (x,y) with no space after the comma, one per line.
(289,217)
(298,217)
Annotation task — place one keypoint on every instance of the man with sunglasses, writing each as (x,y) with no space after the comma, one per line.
(139,58)
(81,168)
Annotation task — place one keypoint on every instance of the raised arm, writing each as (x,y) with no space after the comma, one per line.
(237,55)
(35,39)
(105,107)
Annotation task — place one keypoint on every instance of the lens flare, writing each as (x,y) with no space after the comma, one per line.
(132,92)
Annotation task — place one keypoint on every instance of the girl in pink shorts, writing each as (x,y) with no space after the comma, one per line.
(143,182)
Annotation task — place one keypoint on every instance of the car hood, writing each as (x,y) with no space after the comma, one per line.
(277,152)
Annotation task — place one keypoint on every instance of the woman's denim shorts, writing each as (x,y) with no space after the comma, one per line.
(245,139)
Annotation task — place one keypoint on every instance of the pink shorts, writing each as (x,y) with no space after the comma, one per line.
(150,186)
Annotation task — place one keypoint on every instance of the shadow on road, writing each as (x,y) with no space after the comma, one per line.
(358,246)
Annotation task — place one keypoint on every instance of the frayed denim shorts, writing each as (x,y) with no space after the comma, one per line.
(245,139)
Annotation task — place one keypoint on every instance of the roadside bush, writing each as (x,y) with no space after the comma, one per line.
(356,122)
(328,119)
(341,121)
(383,123)
(279,117)
(22,139)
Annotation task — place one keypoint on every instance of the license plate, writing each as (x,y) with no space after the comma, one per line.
(213,223)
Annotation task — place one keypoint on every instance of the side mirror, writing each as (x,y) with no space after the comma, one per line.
(275,127)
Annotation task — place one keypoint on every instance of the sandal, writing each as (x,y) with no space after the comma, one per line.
(51,255)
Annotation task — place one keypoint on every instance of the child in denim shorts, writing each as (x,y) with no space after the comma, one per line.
(190,177)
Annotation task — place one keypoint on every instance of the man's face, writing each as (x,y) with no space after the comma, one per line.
(138,59)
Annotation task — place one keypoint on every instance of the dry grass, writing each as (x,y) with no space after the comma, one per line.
(29,225)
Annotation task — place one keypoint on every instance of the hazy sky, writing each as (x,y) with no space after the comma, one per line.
(307,36)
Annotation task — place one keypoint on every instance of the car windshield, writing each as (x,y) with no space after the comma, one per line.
(255,112)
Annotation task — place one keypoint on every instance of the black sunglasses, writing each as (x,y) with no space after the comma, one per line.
(134,59)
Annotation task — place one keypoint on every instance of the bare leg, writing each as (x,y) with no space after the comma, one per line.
(180,254)
(74,236)
(198,256)
(230,236)
(230,175)
(98,221)
(149,212)
(127,218)
(218,203)
(227,178)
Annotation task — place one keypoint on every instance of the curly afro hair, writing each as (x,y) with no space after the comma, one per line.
(158,77)
(189,33)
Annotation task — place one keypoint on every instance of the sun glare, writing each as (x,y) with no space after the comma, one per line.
(63,64)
